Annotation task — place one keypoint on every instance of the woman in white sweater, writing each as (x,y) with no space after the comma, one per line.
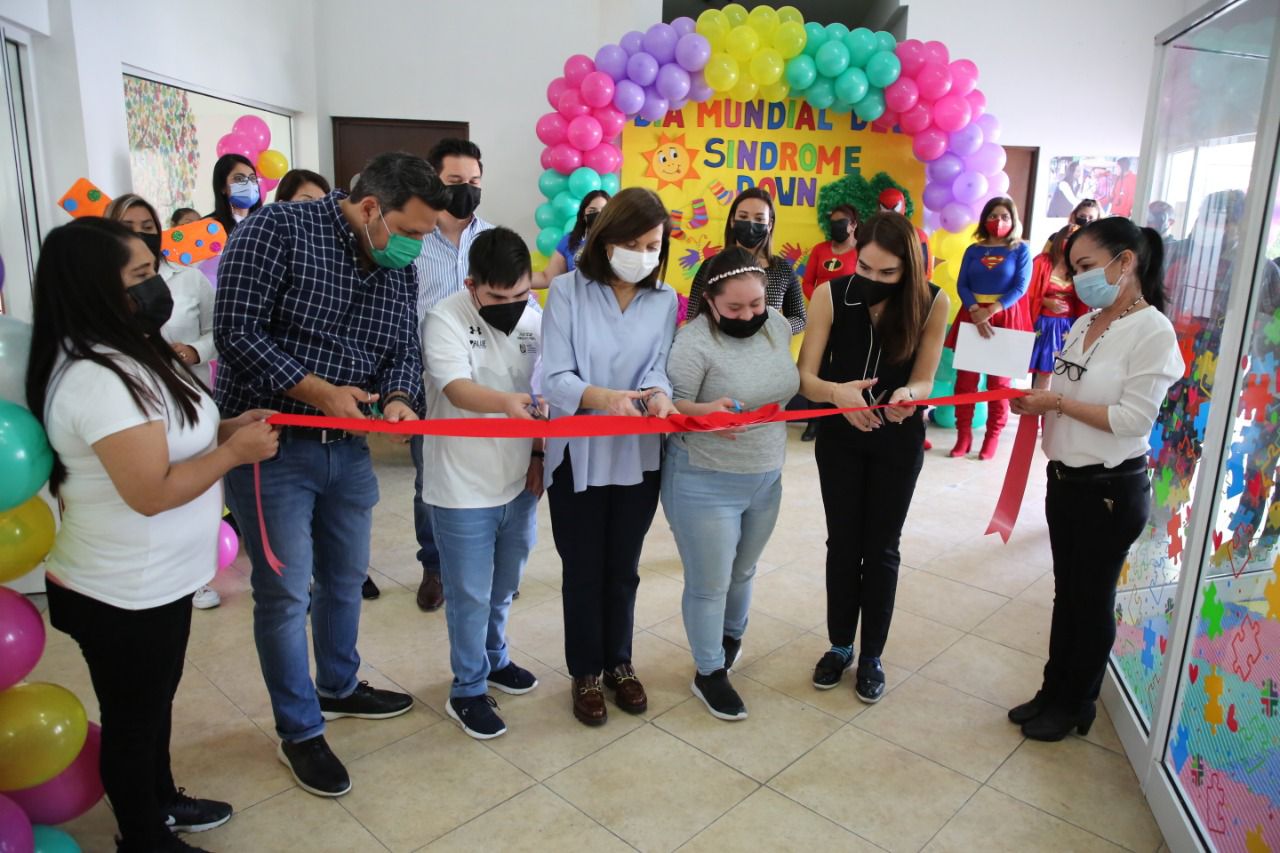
(1109,381)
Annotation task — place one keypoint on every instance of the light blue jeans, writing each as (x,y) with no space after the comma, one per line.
(721,523)
(482,555)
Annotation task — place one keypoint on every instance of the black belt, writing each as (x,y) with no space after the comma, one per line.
(324,436)
(1091,473)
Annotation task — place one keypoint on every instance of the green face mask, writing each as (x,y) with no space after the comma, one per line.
(399,252)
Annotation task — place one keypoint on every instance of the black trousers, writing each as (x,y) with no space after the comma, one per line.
(867,484)
(135,660)
(599,533)
(1092,524)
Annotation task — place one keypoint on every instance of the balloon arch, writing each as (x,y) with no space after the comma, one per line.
(770,54)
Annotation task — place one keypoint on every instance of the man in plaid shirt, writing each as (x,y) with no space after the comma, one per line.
(316,314)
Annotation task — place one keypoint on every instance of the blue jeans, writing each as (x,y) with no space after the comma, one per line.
(428,554)
(482,555)
(318,505)
(721,523)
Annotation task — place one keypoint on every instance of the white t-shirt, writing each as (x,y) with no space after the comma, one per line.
(471,473)
(104,549)
(192,320)
(1130,369)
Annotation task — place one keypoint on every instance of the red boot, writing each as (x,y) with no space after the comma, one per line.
(964,438)
(989,446)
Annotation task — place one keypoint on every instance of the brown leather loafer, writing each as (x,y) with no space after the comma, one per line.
(588,701)
(431,593)
(629,693)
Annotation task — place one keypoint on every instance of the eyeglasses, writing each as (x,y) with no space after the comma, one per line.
(1070,368)
(242,180)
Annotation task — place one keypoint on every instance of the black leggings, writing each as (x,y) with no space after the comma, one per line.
(135,660)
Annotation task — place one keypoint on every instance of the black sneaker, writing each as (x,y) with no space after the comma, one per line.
(830,669)
(718,695)
(476,716)
(513,679)
(367,703)
(870,685)
(187,814)
(314,766)
(732,650)
(369,590)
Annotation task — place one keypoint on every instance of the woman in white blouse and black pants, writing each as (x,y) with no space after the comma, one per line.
(1108,384)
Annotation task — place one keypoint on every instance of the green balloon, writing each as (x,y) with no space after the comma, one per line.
(832,58)
(886,41)
(548,239)
(801,72)
(870,107)
(610,183)
(545,215)
(821,94)
(837,31)
(883,69)
(861,44)
(50,840)
(816,37)
(25,456)
(565,205)
(552,183)
(840,107)
(851,86)
(583,180)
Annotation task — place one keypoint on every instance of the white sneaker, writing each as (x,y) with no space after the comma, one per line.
(206,598)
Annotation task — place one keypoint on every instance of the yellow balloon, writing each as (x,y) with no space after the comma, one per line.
(789,39)
(538,261)
(721,72)
(775,92)
(764,20)
(713,26)
(42,729)
(26,537)
(767,67)
(947,249)
(736,13)
(790,14)
(746,90)
(742,43)
(272,164)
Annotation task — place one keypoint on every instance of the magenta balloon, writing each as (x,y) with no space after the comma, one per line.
(977,103)
(604,158)
(970,187)
(228,545)
(547,157)
(964,77)
(937,195)
(597,89)
(69,794)
(660,42)
(628,98)
(951,112)
(21,637)
(997,184)
(15,828)
(699,91)
(655,106)
(916,119)
(584,133)
(632,42)
(642,69)
(565,158)
(902,94)
(990,127)
(911,54)
(684,25)
(673,82)
(956,217)
(887,121)
(234,143)
(967,139)
(576,69)
(611,122)
(255,130)
(612,60)
(551,129)
(693,51)
(934,80)
(571,104)
(988,159)
(945,169)
(555,89)
(929,144)
(936,51)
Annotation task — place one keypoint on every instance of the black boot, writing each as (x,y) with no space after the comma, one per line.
(1056,722)
(810,431)
(1029,710)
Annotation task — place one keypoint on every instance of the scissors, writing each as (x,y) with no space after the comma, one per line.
(536,408)
(875,401)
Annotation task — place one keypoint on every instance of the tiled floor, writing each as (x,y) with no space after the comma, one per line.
(934,766)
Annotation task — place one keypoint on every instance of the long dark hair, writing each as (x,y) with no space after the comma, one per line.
(580,224)
(727,261)
(222,198)
(630,214)
(295,178)
(80,303)
(1011,239)
(907,307)
(1116,234)
(754,192)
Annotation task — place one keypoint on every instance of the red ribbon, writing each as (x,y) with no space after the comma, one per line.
(1015,478)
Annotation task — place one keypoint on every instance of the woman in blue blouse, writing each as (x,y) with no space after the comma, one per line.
(605,337)
(563,259)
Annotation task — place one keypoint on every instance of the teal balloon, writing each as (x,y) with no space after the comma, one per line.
(884,68)
(548,239)
(816,37)
(25,456)
(552,183)
(610,183)
(837,31)
(50,840)
(583,180)
(545,215)
(871,107)
(801,72)
(565,205)
(821,94)
(886,41)
(840,107)
(851,85)
(832,58)
(861,44)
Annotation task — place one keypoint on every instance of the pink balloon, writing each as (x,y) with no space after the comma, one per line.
(15,828)
(576,69)
(565,158)
(916,119)
(228,545)
(990,127)
(911,54)
(929,144)
(555,89)
(934,80)
(255,130)
(234,143)
(597,89)
(977,103)
(936,51)
(604,158)
(611,122)
(886,121)
(266,185)
(571,104)
(584,133)
(951,112)
(551,129)
(21,637)
(69,794)
(902,94)
(546,158)
(964,77)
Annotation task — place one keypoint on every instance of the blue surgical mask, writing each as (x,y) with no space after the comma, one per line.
(1093,288)
(244,196)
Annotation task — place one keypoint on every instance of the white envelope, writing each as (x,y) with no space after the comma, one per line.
(1007,353)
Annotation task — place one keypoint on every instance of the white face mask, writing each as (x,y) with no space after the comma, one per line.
(632,266)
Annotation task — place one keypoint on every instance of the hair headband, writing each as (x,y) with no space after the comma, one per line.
(732,273)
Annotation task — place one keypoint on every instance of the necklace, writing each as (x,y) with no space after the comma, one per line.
(1094,348)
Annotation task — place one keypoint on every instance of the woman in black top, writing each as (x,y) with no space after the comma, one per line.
(750,227)
(875,336)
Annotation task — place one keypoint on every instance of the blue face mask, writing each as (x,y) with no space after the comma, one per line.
(1093,288)
(244,196)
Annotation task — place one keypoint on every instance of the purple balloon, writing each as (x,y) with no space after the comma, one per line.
(932,220)
(693,51)
(628,97)
(945,169)
(678,105)
(956,217)
(988,159)
(684,25)
(937,195)
(967,140)
(970,187)
(612,60)
(997,184)
(655,106)
(15,826)
(699,91)
(642,69)
(632,42)
(673,82)
(660,42)
(990,127)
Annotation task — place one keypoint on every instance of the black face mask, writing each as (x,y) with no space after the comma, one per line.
(736,328)
(866,291)
(1082,221)
(504,316)
(839,230)
(588,218)
(748,234)
(463,200)
(153,303)
(153,243)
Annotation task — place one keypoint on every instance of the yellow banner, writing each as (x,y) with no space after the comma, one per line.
(700,157)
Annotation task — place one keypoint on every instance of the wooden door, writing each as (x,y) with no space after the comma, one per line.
(357,140)
(1021,168)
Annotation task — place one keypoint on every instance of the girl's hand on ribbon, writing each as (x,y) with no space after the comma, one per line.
(895,413)
(254,442)
(733,407)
